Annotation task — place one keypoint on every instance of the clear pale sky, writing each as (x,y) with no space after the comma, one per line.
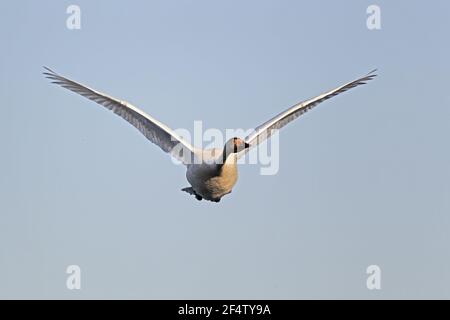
(364,178)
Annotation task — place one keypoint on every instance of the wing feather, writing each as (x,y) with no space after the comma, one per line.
(152,129)
(265,130)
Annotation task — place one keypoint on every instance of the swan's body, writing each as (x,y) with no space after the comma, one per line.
(211,173)
(212,181)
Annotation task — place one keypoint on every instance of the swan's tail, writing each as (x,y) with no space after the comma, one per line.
(189,190)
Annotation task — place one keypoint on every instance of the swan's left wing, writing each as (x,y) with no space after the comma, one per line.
(152,129)
(264,131)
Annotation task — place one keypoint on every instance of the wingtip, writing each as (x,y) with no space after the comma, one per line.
(48,70)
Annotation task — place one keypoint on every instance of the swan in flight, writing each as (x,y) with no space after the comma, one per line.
(211,173)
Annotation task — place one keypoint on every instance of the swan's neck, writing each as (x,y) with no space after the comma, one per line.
(227,158)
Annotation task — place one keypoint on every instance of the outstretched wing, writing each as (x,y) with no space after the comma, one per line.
(152,129)
(264,131)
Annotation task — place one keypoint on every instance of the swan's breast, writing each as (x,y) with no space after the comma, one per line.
(212,182)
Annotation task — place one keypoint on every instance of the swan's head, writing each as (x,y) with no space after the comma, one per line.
(236,145)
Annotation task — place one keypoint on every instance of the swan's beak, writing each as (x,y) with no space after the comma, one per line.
(246,145)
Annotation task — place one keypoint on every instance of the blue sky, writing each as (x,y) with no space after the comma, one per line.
(364,178)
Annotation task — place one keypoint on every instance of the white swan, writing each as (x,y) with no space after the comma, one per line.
(211,173)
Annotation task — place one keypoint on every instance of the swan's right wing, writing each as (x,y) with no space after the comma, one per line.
(152,129)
